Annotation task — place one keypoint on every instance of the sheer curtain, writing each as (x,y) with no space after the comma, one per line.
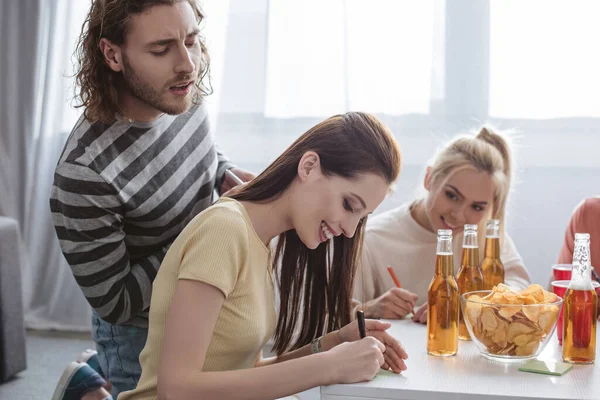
(328,57)
(34,43)
(543,59)
(430,70)
(52,298)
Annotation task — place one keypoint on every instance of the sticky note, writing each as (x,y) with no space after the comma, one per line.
(546,367)
(382,374)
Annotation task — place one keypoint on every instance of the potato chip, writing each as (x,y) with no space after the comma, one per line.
(522,340)
(473,311)
(500,335)
(537,291)
(527,350)
(508,311)
(532,313)
(501,287)
(550,297)
(510,297)
(527,298)
(516,329)
(489,319)
(546,320)
(507,350)
(498,298)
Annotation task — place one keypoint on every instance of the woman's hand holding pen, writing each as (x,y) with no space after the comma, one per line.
(356,361)
(394,304)
(393,354)
(421,314)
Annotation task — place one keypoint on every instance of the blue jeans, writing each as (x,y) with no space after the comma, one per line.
(119,348)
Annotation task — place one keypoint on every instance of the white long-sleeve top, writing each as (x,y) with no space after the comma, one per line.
(394,238)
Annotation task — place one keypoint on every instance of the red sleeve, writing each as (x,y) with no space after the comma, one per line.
(577,224)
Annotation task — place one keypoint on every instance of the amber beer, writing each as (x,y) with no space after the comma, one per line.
(442,305)
(469,278)
(580,312)
(579,324)
(491,266)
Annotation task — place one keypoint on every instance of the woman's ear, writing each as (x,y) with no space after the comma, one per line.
(309,166)
(427,180)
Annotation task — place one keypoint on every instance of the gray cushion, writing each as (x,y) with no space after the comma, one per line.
(12,331)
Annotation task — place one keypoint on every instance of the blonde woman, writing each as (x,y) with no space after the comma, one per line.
(467,183)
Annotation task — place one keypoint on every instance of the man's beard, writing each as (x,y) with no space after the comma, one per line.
(144,92)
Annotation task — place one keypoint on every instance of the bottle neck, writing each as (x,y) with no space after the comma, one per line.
(444,245)
(581,277)
(470,256)
(492,247)
(444,264)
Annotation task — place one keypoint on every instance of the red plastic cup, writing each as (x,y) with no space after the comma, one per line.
(560,289)
(562,272)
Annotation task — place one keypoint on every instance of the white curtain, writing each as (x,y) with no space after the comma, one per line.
(214,30)
(543,59)
(327,57)
(52,299)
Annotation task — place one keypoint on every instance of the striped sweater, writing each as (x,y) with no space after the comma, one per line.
(122,193)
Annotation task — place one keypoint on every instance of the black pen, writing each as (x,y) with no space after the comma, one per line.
(360,316)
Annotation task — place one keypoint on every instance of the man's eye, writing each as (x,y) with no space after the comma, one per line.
(160,53)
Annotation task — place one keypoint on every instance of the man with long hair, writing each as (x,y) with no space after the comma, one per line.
(138,166)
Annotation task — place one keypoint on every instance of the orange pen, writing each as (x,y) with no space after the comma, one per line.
(396,281)
(394,277)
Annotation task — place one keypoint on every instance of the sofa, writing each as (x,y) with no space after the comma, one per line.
(12,330)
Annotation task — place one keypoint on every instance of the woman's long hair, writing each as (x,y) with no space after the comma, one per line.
(315,286)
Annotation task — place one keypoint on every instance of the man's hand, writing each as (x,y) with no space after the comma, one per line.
(229,183)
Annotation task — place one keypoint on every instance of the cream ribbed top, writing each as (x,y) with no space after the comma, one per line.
(396,239)
(221,248)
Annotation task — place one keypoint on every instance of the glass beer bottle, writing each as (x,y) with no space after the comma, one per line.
(579,318)
(442,297)
(469,277)
(491,266)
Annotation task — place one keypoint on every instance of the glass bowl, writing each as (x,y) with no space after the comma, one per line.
(510,331)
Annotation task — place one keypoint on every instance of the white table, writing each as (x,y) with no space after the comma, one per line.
(467,375)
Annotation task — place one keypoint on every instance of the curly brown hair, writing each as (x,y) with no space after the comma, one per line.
(96,88)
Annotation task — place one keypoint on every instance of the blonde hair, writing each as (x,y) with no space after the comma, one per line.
(488,151)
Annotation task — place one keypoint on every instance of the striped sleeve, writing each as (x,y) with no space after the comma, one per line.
(224,165)
(88,215)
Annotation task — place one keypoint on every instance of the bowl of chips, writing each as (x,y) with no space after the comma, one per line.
(509,324)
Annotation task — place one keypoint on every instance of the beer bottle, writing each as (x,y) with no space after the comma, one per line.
(579,319)
(469,278)
(442,301)
(491,266)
